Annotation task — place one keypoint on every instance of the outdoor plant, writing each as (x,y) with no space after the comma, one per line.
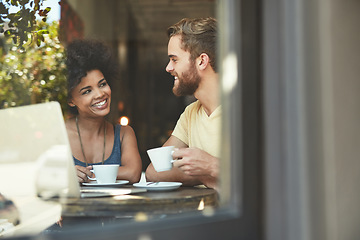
(21,26)
(35,75)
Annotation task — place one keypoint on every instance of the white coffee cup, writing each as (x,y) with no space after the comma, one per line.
(161,158)
(106,173)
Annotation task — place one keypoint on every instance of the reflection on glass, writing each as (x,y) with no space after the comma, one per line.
(136,30)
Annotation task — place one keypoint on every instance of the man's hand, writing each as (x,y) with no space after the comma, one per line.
(196,162)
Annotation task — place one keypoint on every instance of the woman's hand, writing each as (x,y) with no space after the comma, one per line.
(83,173)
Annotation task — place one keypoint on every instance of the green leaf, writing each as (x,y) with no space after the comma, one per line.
(7,33)
(23,2)
(14,3)
(3,9)
(44,31)
(40,36)
(23,38)
(13,17)
(15,40)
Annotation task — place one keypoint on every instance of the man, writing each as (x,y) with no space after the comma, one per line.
(192,50)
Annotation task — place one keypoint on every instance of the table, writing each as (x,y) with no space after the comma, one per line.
(183,199)
(150,205)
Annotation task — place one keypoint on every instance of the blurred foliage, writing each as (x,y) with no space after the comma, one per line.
(21,26)
(35,75)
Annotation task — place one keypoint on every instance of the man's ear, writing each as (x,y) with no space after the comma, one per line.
(203,61)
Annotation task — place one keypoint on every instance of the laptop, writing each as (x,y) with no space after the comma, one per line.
(35,155)
(36,165)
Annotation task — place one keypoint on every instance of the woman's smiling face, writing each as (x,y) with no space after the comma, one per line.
(92,96)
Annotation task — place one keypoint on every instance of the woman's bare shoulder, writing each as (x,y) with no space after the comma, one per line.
(70,124)
(126,129)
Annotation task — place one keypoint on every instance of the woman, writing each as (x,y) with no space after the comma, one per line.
(93,139)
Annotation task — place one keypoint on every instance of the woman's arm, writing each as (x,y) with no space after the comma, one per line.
(131,165)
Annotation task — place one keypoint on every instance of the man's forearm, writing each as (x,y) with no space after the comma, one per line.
(208,181)
(174,175)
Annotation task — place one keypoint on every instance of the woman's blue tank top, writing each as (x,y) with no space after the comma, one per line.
(115,157)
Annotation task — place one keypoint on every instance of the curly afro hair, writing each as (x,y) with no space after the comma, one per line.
(84,56)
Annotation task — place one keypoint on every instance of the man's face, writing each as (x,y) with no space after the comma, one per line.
(186,77)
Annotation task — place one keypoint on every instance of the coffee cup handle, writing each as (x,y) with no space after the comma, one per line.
(90,177)
(172,161)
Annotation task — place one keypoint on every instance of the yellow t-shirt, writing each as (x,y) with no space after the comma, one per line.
(196,129)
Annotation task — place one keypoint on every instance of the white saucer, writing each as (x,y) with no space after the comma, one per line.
(158,186)
(95,184)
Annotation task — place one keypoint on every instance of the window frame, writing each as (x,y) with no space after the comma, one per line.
(240,212)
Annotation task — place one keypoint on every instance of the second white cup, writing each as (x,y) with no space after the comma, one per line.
(105,173)
(161,158)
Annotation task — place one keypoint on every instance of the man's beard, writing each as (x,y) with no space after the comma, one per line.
(187,83)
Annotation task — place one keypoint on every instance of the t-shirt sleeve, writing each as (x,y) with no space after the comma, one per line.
(181,130)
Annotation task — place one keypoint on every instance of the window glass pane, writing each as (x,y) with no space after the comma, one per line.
(141,97)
